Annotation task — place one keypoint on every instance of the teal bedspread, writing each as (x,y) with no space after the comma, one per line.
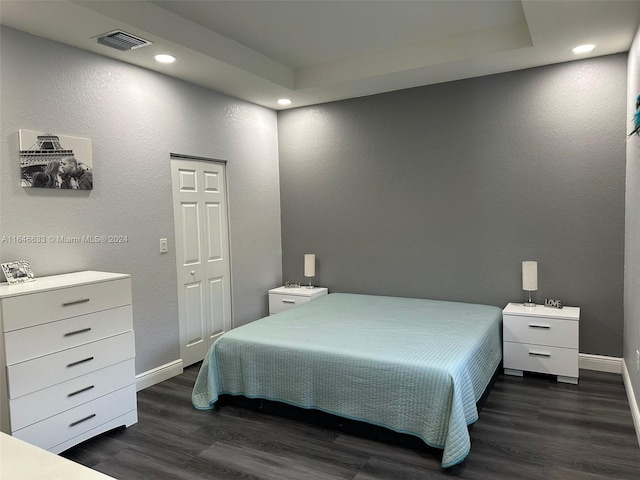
(414,366)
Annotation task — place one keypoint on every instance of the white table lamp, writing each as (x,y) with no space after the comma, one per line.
(310,267)
(529,280)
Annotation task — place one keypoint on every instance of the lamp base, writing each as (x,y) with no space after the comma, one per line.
(529,302)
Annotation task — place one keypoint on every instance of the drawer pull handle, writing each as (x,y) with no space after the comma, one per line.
(76,332)
(77,422)
(288,301)
(80,391)
(76,302)
(539,354)
(537,325)
(79,362)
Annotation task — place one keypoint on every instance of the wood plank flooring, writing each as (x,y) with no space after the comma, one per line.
(529,428)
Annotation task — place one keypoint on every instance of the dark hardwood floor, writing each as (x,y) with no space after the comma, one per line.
(529,428)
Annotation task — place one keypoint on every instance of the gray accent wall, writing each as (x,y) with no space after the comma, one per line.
(632,243)
(135,119)
(442,191)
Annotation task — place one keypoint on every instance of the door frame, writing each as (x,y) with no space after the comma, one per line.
(178,156)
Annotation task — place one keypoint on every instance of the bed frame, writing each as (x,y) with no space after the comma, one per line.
(349,426)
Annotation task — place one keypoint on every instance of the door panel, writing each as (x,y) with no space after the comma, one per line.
(217,306)
(211,182)
(188,181)
(190,225)
(194,318)
(214,230)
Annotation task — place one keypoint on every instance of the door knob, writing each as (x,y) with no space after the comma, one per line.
(193,272)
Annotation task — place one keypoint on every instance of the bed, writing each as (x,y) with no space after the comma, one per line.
(413,366)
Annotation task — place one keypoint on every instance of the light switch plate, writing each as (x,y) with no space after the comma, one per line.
(163,245)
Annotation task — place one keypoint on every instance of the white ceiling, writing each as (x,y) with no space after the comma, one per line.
(321,51)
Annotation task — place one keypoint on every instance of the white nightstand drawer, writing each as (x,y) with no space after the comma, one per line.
(42,372)
(37,406)
(284,298)
(27,343)
(279,303)
(541,359)
(540,331)
(66,425)
(23,311)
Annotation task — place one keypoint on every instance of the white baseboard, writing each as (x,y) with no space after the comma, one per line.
(600,363)
(633,405)
(158,374)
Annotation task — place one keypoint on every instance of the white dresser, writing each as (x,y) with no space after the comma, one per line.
(67,358)
(284,298)
(541,339)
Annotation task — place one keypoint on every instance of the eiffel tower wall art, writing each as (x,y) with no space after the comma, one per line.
(50,160)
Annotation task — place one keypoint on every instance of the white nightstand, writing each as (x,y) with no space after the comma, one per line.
(283,298)
(541,339)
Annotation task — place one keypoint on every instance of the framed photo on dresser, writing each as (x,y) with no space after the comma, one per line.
(18,272)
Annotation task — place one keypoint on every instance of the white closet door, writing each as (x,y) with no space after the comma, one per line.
(202,254)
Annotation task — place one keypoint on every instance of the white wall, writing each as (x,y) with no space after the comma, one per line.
(632,228)
(135,118)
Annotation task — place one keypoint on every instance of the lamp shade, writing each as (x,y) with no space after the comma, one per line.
(530,275)
(309,265)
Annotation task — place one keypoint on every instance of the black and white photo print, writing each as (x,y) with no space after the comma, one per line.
(55,161)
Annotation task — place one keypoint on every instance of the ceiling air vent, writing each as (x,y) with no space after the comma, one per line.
(122,41)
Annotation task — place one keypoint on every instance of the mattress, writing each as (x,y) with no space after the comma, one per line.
(414,366)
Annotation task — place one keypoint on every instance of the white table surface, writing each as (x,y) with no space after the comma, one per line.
(22,461)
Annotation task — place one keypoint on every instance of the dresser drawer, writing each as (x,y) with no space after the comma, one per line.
(42,372)
(279,303)
(540,331)
(50,401)
(541,359)
(71,423)
(23,311)
(27,343)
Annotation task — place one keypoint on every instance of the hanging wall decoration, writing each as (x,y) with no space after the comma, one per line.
(50,160)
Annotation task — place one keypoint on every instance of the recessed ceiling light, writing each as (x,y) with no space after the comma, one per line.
(284,101)
(583,49)
(165,58)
